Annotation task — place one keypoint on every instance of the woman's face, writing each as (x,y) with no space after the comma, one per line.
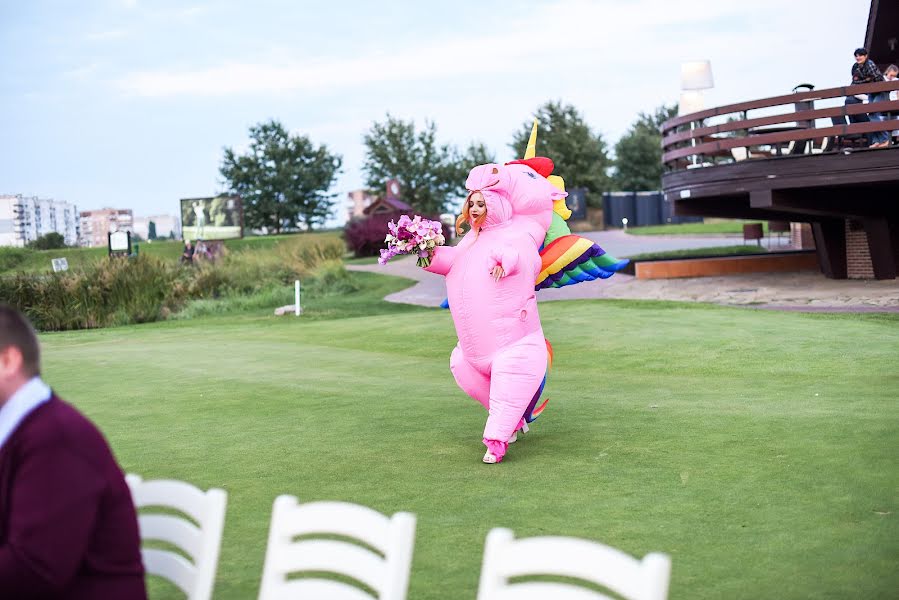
(476,206)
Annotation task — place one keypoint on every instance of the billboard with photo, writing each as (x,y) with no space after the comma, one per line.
(216,218)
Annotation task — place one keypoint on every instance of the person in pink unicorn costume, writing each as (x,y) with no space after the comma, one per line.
(501,357)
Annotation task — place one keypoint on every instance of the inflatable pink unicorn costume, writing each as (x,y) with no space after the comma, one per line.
(501,357)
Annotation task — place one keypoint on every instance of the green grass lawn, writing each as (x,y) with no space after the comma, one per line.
(709,227)
(759,449)
(696,252)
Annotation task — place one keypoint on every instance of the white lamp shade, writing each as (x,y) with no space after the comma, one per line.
(696,75)
(690,102)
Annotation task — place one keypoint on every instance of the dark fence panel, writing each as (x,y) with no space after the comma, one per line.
(640,209)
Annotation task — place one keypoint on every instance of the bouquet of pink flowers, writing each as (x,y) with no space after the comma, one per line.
(413,236)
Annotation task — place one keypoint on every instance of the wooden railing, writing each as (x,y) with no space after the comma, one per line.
(691,141)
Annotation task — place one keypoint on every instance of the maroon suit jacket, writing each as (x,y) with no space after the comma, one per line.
(68,528)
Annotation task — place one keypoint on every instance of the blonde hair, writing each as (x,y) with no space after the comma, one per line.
(465,217)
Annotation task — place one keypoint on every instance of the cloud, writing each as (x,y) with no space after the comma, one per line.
(574,38)
(102,36)
(191,11)
(525,45)
(81,73)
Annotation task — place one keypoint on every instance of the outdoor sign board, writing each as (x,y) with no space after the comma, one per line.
(216,218)
(119,242)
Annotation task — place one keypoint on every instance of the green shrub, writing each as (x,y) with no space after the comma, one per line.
(330,278)
(302,257)
(114,292)
(208,281)
(10,258)
(146,288)
(49,241)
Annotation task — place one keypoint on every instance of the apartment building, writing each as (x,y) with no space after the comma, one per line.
(24,219)
(97,224)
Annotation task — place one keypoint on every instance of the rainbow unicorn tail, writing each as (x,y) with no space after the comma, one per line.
(533,411)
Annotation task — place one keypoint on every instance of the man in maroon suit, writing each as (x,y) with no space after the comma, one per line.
(68,528)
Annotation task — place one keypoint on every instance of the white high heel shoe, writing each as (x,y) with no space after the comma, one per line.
(514,438)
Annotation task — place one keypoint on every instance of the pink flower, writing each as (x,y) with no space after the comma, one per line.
(414,236)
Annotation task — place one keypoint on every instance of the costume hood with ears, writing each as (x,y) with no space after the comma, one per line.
(499,210)
(526,188)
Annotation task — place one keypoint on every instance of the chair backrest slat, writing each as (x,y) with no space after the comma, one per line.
(297,589)
(572,557)
(172,530)
(170,566)
(333,556)
(179,495)
(201,542)
(540,590)
(382,563)
(339,518)
(606,567)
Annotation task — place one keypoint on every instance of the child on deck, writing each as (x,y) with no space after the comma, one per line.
(891,74)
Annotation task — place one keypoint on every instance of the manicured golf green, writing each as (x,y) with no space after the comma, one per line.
(759,449)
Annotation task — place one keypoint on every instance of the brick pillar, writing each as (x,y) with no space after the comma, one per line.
(858,257)
(801,237)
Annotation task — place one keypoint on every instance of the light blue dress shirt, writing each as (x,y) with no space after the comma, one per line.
(26,399)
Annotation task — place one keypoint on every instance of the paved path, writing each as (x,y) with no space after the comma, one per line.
(622,244)
(793,291)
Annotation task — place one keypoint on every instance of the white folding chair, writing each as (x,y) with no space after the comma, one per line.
(506,558)
(382,564)
(201,542)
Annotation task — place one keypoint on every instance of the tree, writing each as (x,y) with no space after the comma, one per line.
(638,154)
(476,154)
(581,156)
(430,174)
(48,241)
(283,179)
(151,230)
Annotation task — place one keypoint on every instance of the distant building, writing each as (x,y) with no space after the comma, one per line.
(363,204)
(386,205)
(23,219)
(97,224)
(166,225)
(358,201)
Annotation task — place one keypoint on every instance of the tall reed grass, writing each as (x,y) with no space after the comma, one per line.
(143,289)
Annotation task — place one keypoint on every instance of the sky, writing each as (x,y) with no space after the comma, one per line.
(129,103)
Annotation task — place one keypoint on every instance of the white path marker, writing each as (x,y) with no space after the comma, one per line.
(296,287)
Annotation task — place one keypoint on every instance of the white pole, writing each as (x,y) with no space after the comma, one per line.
(296,288)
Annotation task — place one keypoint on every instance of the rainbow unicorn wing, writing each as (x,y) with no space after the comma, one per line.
(534,409)
(572,259)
